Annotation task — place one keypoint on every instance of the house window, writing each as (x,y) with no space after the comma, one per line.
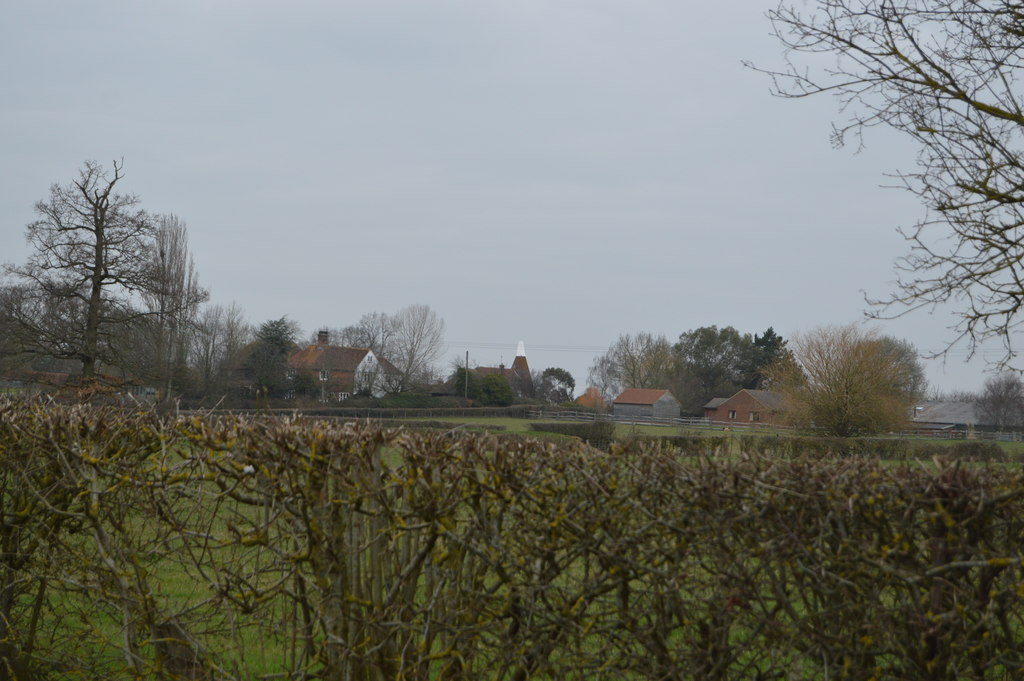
(291,374)
(755,416)
(732,413)
(343,396)
(324,374)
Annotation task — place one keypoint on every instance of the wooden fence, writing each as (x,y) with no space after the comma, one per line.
(698,423)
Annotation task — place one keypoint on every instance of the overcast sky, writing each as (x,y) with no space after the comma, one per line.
(557,172)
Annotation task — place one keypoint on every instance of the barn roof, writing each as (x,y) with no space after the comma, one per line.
(946,413)
(770,399)
(641,396)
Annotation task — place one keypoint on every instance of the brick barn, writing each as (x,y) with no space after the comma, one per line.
(746,406)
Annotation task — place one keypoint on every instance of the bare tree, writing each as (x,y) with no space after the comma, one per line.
(11,351)
(375,330)
(604,377)
(91,253)
(237,331)
(1001,402)
(945,73)
(219,334)
(417,343)
(640,361)
(207,349)
(172,299)
(379,333)
(846,381)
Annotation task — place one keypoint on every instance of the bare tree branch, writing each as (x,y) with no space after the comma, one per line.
(947,74)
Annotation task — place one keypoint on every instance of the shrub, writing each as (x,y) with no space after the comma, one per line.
(595,433)
(687,445)
(978,450)
(448,426)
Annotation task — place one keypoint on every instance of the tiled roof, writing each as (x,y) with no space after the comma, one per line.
(770,399)
(509,373)
(520,364)
(386,365)
(591,397)
(331,357)
(716,402)
(640,396)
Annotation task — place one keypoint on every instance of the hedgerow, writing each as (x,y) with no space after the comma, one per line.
(689,445)
(892,449)
(305,549)
(598,434)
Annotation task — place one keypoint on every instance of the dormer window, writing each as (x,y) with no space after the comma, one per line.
(324,374)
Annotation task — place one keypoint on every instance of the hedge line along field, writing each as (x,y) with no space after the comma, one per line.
(134,546)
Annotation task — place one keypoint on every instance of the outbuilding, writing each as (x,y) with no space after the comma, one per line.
(746,406)
(646,403)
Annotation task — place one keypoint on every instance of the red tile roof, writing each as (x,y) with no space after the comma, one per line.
(331,357)
(640,396)
(591,397)
(335,358)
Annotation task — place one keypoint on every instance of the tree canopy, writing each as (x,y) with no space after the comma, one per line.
(706,362)
(847,380)
(268,361)
(556,385)
(496,391)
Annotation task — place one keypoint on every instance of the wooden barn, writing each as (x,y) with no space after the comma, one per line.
(646,403)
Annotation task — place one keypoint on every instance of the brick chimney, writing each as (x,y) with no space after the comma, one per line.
(323,337)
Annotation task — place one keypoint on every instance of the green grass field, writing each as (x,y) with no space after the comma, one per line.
(625,431)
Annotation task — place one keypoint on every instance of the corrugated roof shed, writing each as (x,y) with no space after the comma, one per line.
(947,413)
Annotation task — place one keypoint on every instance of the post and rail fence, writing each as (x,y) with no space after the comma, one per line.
(701,423)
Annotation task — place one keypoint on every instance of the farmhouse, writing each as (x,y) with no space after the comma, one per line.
(341,372)
(746,406)
(646,403)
